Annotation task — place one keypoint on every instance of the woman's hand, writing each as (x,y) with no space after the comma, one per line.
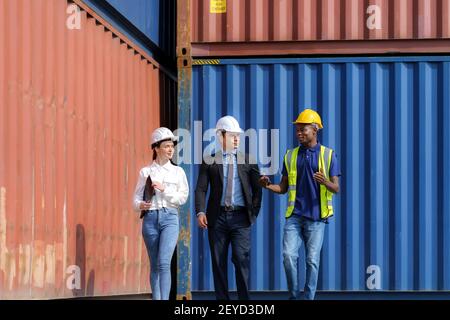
(158,186)
(145,205)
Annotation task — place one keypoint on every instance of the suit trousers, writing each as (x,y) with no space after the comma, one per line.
(231,227)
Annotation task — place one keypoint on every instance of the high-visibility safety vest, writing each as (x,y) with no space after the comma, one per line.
(326,196)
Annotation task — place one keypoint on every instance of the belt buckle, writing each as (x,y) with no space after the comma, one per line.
(229,208)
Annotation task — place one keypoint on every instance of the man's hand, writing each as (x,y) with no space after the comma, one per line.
(158,186)
(202,221)
(264,181)
(320,177)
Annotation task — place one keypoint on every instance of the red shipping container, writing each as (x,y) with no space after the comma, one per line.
(256,27)
(78,102)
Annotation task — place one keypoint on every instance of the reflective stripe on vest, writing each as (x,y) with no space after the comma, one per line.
(326,197)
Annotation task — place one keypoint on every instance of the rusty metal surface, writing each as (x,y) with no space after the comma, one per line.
(77,108)
(184,62)
(317,20)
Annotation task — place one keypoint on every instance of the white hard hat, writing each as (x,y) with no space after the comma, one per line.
(161,134)
(228,124)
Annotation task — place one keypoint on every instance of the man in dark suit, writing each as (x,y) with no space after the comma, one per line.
(233,205)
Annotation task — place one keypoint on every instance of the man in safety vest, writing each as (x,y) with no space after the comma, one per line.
(310,176)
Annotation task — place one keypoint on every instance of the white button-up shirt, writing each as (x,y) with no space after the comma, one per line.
(173,178)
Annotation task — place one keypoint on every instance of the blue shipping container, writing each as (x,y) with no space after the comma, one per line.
(144,14)
(388,120)
(141,21)
(155,18)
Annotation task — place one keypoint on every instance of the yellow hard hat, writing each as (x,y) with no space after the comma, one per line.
(309,116)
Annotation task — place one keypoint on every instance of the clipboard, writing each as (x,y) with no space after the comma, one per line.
(149,192)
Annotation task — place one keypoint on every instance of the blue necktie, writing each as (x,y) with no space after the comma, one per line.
(229,191)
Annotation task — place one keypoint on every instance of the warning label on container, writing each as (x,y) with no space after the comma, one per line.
(218,6)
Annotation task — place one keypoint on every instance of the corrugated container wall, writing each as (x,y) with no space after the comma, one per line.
(317,24)
(387,119)
(77,107)
(292,20)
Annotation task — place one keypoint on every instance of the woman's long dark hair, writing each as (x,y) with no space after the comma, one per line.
(158,144)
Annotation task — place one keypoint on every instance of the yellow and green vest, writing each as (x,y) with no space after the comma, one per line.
(326,196)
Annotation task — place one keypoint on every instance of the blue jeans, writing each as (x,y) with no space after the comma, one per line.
(297,230)
(160,230)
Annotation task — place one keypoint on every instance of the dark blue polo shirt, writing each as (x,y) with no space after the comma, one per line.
(307,198)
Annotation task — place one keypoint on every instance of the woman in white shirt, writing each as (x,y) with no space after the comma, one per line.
(160,226)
